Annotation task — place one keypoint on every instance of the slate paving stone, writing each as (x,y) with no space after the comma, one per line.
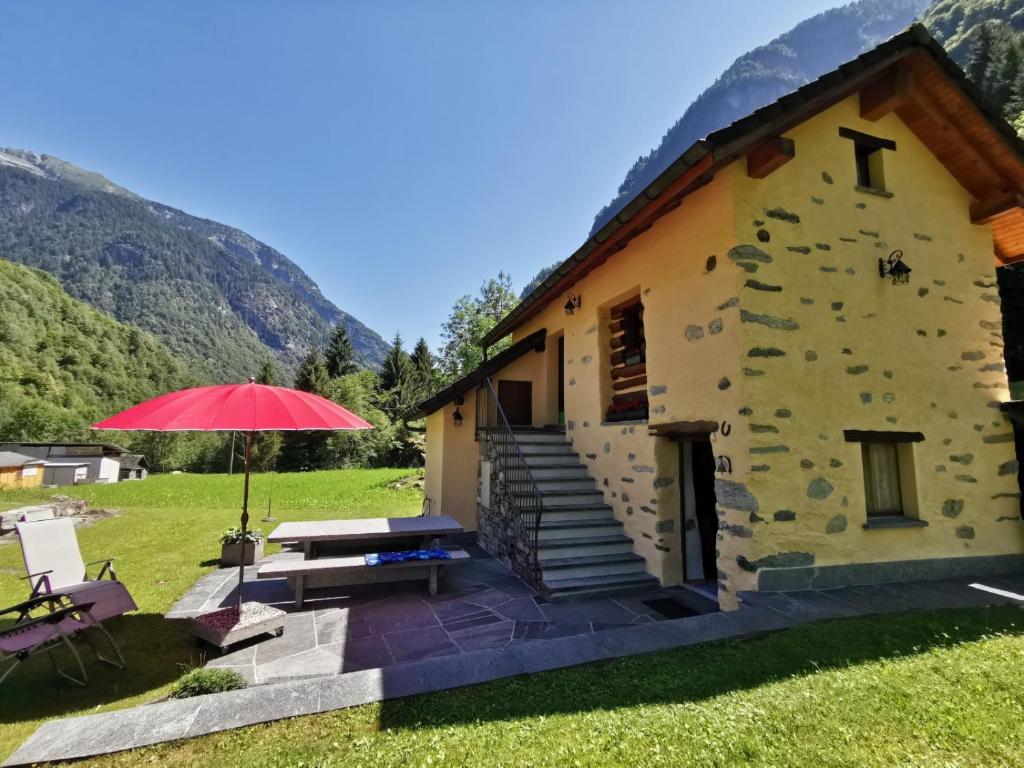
(511,586)
(244,655)
(1003,583)
(601,627)
(450,591)
(397,615)
(547,630)
(481,619)
(454,609)
(299,635)
(922,598)
(420,643)
(317,662)
(634,601)
(496,635)
(869,602)
(489,598)
(832,605)
(360,653)
(520,609)
(885,600)
(798,610)
(964,595)
(600,609)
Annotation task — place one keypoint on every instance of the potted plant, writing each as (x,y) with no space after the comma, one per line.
(231,546)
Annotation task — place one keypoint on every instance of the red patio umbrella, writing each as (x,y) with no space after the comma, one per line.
(248,408)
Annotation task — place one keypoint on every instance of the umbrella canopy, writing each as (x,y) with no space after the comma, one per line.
(245,408)
(235,407)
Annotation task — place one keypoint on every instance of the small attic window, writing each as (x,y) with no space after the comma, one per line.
(868,157)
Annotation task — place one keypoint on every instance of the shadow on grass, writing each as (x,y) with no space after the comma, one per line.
(701,672)
(156,651)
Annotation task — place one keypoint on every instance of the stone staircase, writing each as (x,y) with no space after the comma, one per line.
(583,549)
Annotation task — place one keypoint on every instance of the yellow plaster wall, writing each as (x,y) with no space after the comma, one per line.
(452,456)
(855,352)
(533,367)
(688,380)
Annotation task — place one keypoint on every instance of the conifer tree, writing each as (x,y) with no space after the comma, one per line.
(341,355)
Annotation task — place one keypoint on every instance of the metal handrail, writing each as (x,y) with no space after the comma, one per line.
(523,494)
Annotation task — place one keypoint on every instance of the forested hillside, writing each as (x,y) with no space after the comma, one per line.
(986,38)
(64,365)
(213,294)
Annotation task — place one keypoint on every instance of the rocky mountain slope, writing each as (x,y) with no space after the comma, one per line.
(212,293)
(811,48)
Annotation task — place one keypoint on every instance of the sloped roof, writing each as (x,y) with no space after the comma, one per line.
(133,461)
(696,165)
(12,459)
(534,341)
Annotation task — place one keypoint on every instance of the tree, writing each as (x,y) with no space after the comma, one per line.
(398,381)
(470,320)
(266,448)
(304,451)
(312,374)
(980,57)
(424,368)
(268,373)
(341,356)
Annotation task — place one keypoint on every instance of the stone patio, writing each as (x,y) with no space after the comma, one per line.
(480,605)
(443,663)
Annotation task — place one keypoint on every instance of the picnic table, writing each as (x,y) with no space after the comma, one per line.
(353,540)
(366,535)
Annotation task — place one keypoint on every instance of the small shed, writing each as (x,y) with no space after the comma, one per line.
(133,467)
(20,471)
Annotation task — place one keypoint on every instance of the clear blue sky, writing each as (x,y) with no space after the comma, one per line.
(399,152)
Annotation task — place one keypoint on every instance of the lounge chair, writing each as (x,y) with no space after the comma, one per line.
(32,635)
(55,567)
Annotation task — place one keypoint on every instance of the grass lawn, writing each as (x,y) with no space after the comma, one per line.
(164,539)
(916,689)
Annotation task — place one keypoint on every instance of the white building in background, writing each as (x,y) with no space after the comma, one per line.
(74,463)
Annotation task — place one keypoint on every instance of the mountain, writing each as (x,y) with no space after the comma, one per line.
(65,365)
(213,294)
(811,48)
(956,23)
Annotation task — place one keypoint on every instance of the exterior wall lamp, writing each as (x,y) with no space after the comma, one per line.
(572,304)
(457,416)
(894,268)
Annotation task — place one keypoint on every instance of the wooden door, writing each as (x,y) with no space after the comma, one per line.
(516,399)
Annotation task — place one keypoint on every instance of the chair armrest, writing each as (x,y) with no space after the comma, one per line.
(28,605)
(37,587)
(108,565)
(56,617)
(32,575)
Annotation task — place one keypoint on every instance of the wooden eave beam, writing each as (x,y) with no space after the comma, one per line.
(943,122)
(769,155)
(886,94)
(985,211)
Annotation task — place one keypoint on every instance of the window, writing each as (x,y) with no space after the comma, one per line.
(882,479)
(868,158)
(890,485)
(627,362)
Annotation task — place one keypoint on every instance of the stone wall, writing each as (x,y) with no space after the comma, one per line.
(828,346)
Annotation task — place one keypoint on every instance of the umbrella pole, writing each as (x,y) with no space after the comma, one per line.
(245,519)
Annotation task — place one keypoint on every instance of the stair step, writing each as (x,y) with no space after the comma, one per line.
(537,448)
(540,437)
(579,546)
(569,515)
(592,565)
(548,485)
(560,529)
(552,460)
(587,585)
(573,499)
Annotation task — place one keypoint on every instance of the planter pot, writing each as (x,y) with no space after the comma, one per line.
(231,553)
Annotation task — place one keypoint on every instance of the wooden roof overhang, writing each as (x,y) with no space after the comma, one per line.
(535,341)
(910,74)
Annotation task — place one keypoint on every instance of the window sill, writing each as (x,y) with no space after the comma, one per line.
(873,191)
(895,521)
(624,423)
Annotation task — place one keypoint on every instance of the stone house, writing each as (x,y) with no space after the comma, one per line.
(781,365)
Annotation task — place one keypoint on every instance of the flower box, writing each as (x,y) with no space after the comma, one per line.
(230,554)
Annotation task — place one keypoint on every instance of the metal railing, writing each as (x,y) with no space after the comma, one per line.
(519,500)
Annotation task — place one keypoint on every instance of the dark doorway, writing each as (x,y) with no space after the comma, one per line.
(561,379)
(700,518)
(516,399)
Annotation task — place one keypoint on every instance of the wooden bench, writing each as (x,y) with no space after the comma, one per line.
(352,569)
